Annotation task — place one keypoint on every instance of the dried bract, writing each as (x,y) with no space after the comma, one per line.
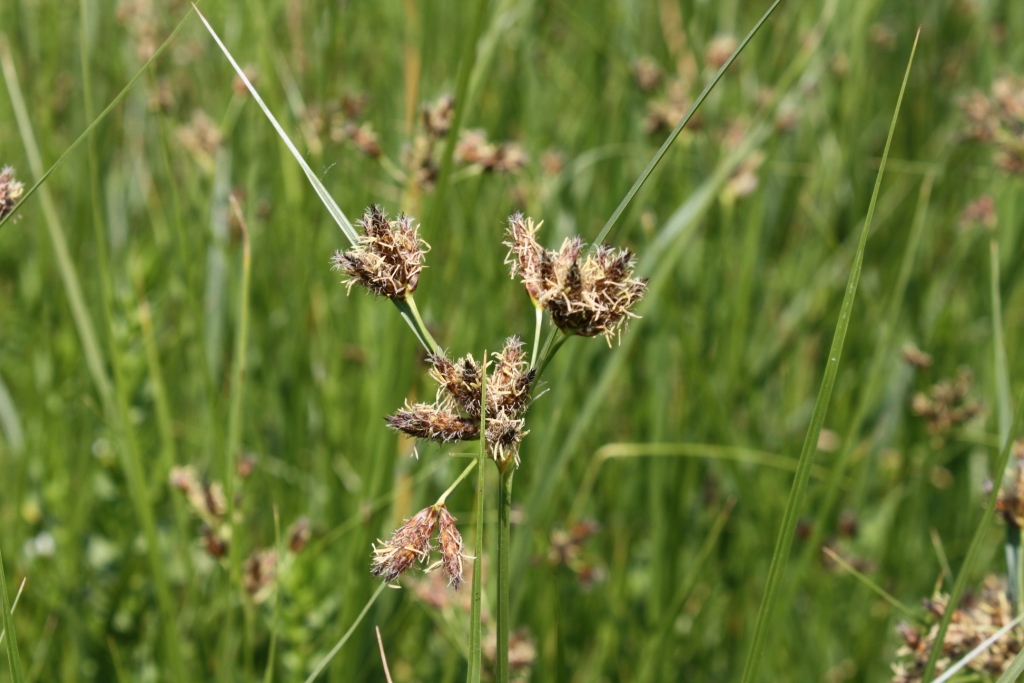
(389,256)
(10,191)
(589,298)
(411,542)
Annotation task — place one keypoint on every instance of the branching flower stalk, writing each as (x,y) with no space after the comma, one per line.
(585,294)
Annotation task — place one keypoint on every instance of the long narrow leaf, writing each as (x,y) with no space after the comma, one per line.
(780,558)
(13,658)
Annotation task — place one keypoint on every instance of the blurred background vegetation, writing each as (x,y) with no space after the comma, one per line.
(120,286)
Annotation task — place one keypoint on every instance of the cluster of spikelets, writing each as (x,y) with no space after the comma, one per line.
(411,543)
(971,625)
(455,414)
(998,120)
(585,296)
(389,256)
(10,191)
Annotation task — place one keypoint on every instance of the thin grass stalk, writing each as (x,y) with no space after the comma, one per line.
(268,673)
(41,178)
(348,634)
(466,62)
(1004,411)
(655,645)
(780,557)
(504,549)
(871,585)
(234,433)
(475,612)
(14,606)
(13,658)
(1014,671)
(875,373)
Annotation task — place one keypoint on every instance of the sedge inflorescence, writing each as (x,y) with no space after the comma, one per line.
(585,296)
(455,414)
(388,258)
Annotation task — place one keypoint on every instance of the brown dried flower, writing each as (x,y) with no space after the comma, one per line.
(915,356)
(389,256)
(647,73)
(10,191)
(719,50)
(973,623)
(450,540)
(980,213)
(474,148)
(1010,499)
(411,542)
(437,116)
(999,121)
(589,298)
(206,498)
(299,534)
(434,422)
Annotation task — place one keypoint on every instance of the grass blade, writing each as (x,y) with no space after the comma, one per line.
(103,114)
(348,634)
(332,207)
(1014,671)
(13,658)
(780,557)
(871,585)
(652,164)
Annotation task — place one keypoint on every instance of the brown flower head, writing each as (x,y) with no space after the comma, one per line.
(589,298)
(1010,499)
(450,541)
(455,414)
(389,256)
(299,534)
(411,542)
(947,405)
(10,191)
(259,572)
(207,499)
(437,116)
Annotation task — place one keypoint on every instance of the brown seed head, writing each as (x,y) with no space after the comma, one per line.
(411,542)
(299,534)
(258,574)
(459,380)
(389,256)
(10,191)
(437,116)
(450,540)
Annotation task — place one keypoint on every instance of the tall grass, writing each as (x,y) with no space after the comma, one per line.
(726,358)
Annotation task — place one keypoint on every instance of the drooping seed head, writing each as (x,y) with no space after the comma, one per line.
(10,191)
(389,257)
(450,541)
(409,543)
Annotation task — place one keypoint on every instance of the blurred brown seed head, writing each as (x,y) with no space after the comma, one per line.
(437,116)
(10,191)
(915,356)
(299,534)
(719,50)
(389,257)
(647,73)
(258,574)
(980,213)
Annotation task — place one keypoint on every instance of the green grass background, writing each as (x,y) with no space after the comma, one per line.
(730,349)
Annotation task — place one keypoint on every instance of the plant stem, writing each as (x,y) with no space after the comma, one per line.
(475,652)
(536,336)
(465,473)
(412,316)
(504,548)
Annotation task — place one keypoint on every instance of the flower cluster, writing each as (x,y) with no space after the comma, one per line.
(389,256)
(999,121)
(411,542)
(10,191)
(976,621)
(588,296)
(504,157)
(455,414)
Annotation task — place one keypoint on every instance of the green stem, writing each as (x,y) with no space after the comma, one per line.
(473,675)
(504,548)
(465,473)
(536,336)
(417,324)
